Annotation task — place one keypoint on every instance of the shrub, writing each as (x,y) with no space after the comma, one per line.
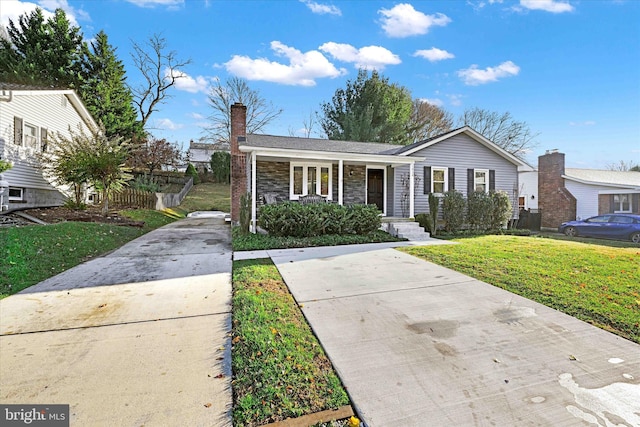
(146,183)
(423,220)
(221,166)
(298,220)
(453,209)
(500,210)
(432,218)
(479,208)
(192,172)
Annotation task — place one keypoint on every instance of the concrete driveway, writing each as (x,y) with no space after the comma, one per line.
(138,337)
(417,344)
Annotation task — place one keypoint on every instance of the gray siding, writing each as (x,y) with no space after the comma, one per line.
(460,152)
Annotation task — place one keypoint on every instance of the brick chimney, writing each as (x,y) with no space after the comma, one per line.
(238,159)
(556,203)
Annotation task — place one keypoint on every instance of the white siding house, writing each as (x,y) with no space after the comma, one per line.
(29,116)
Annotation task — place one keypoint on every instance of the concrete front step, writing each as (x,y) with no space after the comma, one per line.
(407,230)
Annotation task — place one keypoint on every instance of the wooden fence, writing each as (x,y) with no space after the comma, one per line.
(130,198)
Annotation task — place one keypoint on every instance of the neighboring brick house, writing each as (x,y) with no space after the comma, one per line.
(566,194)
(398,179)
(29,116)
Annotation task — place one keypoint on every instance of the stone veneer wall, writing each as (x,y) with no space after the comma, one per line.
(354,184)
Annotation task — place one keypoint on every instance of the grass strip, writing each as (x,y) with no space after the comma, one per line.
(280,370)
(208,196)
(254,242)
(597,284)
(31,254)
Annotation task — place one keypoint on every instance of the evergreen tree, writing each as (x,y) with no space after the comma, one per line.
(370,109)
(105,92)
(42,52)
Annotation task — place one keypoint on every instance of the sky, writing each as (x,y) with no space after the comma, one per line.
(570,69)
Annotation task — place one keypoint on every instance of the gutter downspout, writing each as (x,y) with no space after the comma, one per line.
(4,97)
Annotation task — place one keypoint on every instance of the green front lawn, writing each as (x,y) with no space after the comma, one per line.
(31,254)
(598,284)
(279,368)
(208,196)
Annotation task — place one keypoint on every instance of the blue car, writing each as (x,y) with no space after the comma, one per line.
(610,226)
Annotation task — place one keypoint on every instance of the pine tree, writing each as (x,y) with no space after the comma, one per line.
(105,92)
(42,52)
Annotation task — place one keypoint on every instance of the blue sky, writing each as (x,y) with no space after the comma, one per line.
(569,68)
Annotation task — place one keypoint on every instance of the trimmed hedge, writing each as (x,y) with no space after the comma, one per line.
(318,219)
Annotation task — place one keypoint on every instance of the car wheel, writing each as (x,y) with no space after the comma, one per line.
(571,231)
(635,237)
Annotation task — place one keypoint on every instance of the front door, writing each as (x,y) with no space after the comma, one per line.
(375,188)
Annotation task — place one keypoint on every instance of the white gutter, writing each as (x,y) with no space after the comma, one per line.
(330,155)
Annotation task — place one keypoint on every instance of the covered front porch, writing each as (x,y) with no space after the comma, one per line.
(342,178)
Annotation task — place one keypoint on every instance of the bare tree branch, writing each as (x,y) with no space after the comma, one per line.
(223,95)
(160,70)
(428,120)
(513,136)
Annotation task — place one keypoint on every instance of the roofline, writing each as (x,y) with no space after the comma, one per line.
(473,134)
(604,184)
(329,155)
(71,95)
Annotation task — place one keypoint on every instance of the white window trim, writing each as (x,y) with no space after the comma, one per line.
(384,186)
(618,204)
(21,198)
(446,178)
(305,175)
(25,136)
(486,179)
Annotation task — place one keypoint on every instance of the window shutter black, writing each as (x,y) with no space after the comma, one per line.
(17,130)
(492,180)
(452,179)
(427,180)
(635,201)
(612,205)
(44,139)
(470,177)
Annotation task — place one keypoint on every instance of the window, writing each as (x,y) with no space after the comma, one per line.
(481,180)
(622,202)
(438,180)
(30,136)
(16,193)
(310,179)
(521,203)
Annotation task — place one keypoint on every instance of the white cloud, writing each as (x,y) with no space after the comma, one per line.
(433,101)
(302,69)
(434,54)
(171,4)
(403,21)
(474,76)
(368,57)
(455,99)
(187,83)
(196,116)
(585,123)
(322,9)
(552,6)
(12,9)
(167,124)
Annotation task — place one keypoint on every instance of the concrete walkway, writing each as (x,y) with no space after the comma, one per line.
(417,344)
(138,337)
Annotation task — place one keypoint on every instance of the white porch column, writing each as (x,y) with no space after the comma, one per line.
(411,191)
(340,181)
(253,227)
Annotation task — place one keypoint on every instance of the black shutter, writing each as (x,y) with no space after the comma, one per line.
(612,204)
(17,130)
(427,180)
(635,201)
(452,179)
(492,180)
(44,139)
(470,177)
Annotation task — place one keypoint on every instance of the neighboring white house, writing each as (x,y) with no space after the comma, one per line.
(29,116)
(595,191)
(199,153)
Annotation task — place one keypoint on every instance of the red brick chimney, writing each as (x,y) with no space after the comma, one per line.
(556,203)
(238,159)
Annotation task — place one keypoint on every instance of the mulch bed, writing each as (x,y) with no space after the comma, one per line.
(91,214)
